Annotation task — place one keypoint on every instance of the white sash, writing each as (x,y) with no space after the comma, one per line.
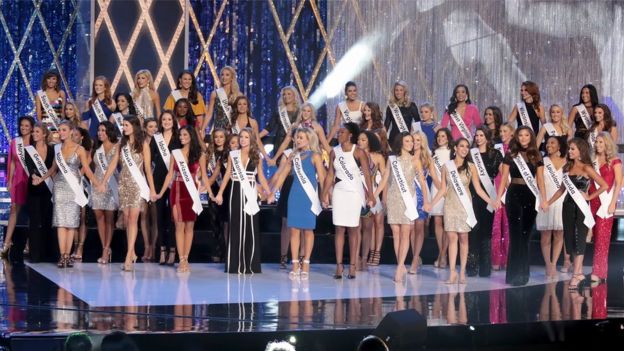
(225,104)
(187,177)
(40,165)
(100,159)
(461,192)
(483,175)
(345,163)
(438,164)
(605,197)
(251,196)
(283,116)
(21,153)
(235,129)
(550,129)
(398,118)
(579,200)
(345,111)
(163,149)
(528,179)
(138,177)
(584,115)
(118,117)
(500,148)
(99,111)
(552,173)
(592,138)
(176,95)
(416,127)
(524,115)
(287,152)
(410,208)
(47,106)
(70,178)
(463,128)
(307,186)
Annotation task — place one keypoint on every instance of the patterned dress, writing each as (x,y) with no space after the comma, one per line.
(396,206)
(107,200)
(66,211)
(129,191)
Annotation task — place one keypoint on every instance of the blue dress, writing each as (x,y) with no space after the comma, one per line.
(94,123)
(429,130)
(300,215)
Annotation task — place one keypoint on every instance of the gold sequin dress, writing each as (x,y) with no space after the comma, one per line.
(129,192)
(455,216)
(396,206)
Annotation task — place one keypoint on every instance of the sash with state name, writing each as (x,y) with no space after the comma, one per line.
(225,104)
(47,106)
(20,150)
(98,110)
(579,200)
(100,159)
(524,115)
(550,129)
(70,178)
(189,182)
(461,125)
(305,183)
(461,192)
(528,178)
(163,149)
(251,204)
(118,117)
(398,118)
(345,111)
(585,117)
(138,177)
(484,177)
(283,116)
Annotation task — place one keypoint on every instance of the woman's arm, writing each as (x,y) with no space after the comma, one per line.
(156,102)
(317,160)
(617,186)
(281,174)
(38,107)
(147,167)
(571,118)
(224,182)
(284,145)
(204,175)
(84,161)
(443,188)
(540,136)
(167,178)
(540,183)
(542,115)
(336,125)
(322,140)
(476,183)
(603,186)
(503,184)
(265,184)
(210,110)
(614,134)
(254,127)
(329,179)
(112,166)
(513,115)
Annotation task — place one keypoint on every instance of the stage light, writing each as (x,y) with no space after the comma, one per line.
(292,339)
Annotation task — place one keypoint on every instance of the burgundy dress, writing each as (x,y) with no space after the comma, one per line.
(19,187)
(179,197)
(602,229)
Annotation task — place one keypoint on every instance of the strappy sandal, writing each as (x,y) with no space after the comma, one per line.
(296,270)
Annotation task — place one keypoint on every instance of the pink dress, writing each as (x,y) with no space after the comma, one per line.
(471,119)
(19,185)
(500,229)
(602,229)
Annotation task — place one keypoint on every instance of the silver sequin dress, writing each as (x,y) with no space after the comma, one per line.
(129,192)
(104,201)
(66,212)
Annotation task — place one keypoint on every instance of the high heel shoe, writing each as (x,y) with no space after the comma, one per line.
(69,261)
(283,261)
(399,274)
(183,265)
(6,250)
(339,273)
(77,256)
(296,270)
(566,267)
(147,256)
(163,256)
(61,261)
(305,270)
(171,258)
(376,258)
(352,270)
(128,267)
(575,281)
(452,279)
(106,256)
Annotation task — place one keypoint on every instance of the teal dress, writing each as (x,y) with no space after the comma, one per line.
(300,215)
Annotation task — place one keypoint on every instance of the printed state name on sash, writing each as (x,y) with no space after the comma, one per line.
(70,178)
(554,175)
(461,192)
(346,163)
(550,129)
(251,204)
(579,200)
(524,115)
(176,95)
(585,117)
(225,104)
(398,118)
(20,150)
(307,186)
(98,110)
(344,109)
(138,177)
(410,207)
(163,149)
(528,179)
(501,148)
(593,136)
(40,165)
(461,125)
(100,159)
(484,177)
(189,182)
(283,116)
(416,127)
(118,117)
(605,197)
(52,118)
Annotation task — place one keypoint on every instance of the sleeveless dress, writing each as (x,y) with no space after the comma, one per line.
(419,198)
(19,186)
(129,192)
(396,206)
(104,201)
(455,215)
(301,216)
(574,230)
(410,114)
(243,251)
(57,106)
(144,101)
(346,201)
(580,130)
(179,197)
(220,119)
(551,219)
(66,212)
(91,118)
(444,154)
(356,116)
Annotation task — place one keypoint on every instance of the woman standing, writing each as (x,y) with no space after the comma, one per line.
(441,154)
(217,154)
(186,88)
(500,226)
(39,161)
(283,118)
(99,107)
(461,116)
(306,166)
(529,110)
(429,123)
(550,223)
(149,221)
(417,235)
(556,127)
(241,118)
(603,206)
(157,164)
(348,197)
(401,113)
(222,98)
(603,122)
(244,238)
(581,114)
(577,217)
(17,182)
(487,161)
(50,100)
(81,137)
(105,204)
(146,99)
(459,215)
(348,111)
(493,120)
(521,162)
(184,196)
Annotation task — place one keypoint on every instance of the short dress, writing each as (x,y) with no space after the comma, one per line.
(455,216)
(419,199)
(444,154)
(299,204)
(347,202)
(19,187)
(395,204)
(105,201)
(66,212)
(129,191)
(179,197)
(551,219)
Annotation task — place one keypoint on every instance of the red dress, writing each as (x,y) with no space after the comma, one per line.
(500,229)
(602,229)
(180,199)
(19,187)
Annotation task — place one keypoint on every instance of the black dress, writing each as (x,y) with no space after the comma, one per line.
(533,117)
(163,207)
(39,210)
(410,114)
(243,252)
(480,238)
(580,130)
(520,208)
(275,126)
(574,230)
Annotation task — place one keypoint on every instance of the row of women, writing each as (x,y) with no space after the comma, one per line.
(405,181)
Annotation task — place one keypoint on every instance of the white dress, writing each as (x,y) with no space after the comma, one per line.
(551,219)
(347,202)
(356,116)
(444,154)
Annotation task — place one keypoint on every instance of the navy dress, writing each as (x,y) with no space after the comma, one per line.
(92,119)
(300,215)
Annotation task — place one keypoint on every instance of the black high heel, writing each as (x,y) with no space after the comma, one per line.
(339,276)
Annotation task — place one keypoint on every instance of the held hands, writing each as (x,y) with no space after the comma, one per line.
(271,161)
(154,197)
(585,196)
(544,206)
(100,187)
(271,198)
(427,207)
(219,199)
(611,209)
(325,201)
(36,180)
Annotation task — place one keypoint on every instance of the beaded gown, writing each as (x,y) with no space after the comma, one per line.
(66,212)
(129,192)
(106,200)
(395,204)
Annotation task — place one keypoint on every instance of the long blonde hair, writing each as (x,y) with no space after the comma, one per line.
(300,115)
(611,151)
(235,88)
(150,80)
(294,91)
(564,120)
(406,99)
(425,153)
(313,141)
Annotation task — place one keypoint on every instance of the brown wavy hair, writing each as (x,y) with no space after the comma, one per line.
(376,117)
(533,89)
(532,151)
(585,156)
(254,152)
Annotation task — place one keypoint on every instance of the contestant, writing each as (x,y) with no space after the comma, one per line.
(459,216)
(183,114)
(105,204)
(348,196)
(17,182)
(603,122)
(243,167)
(429,123)
(39,161)
(306,118)
(581,114)
(577,217)
(216,154)
(185,163)
(531,111)
(186,88)
(306,167)
(441,154)
(487,161)
(461,116)
(241,118)
(145,96)
(157,163)
(493,120)
(522,162)
(100,105)
(401,113)
(500,226)
(372,119)
(50,100)
(81,137)
(550,223)
(149,220)
(72,113)
(417,235)
(348,111)
(556,127)
(221,100)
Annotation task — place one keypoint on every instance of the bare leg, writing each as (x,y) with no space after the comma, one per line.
(452,252)
(339,246)
(354,252)
(417,238)
(442,241)
(379,231)
(367,238)
(145,232)
(284,238)
(463,256)
(8,239)
(295,241)
(132,228)
(557,247)
(100,218)
(546,245)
